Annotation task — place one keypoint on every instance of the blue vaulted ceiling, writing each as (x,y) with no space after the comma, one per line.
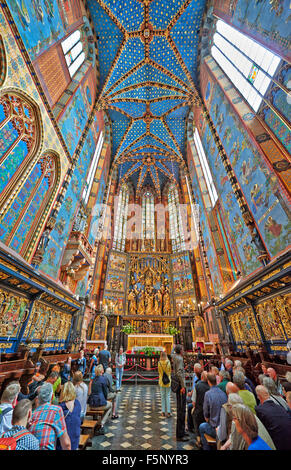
(147,64)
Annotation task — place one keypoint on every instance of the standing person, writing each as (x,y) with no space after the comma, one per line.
(213,401)
(81,392)
(72,412)
(198,394)
(179,372)
(94,362)
(21,416)
(164,368)
(120,360)
(81,363)
(228,366)
(48,421)
(66,371)
(111,391)
(104,357)
(98,396)
(196,378)
(8,402)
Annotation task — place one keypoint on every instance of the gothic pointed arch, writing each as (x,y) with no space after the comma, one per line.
(20,142)
(3,62)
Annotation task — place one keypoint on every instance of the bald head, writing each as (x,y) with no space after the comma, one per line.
(272,373)
(262,393)
(231,388)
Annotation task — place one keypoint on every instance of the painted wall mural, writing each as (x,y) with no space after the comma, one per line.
(281,101)
(73,121)
(238,234)
(60,234)
(39,23)
(259,184)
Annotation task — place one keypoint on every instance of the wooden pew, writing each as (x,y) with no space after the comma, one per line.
(85,441)
(210,440)
(20,369)
(89,425)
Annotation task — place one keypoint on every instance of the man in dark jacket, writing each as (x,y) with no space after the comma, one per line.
(201,387)
(275,418)
(179,372)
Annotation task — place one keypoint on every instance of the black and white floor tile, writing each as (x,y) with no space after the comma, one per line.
(140,425)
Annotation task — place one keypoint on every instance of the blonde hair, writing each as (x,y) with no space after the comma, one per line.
(163,356)
(68,392)
(99,370)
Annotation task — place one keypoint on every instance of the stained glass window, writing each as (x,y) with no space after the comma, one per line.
(92,171)
(205,168)
(148,219)
(175,220)
(121,219)
(249,65)
(73,51)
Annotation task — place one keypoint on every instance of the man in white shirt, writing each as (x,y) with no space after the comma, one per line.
(8,402)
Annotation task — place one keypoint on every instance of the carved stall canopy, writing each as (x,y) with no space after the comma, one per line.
(34,310)
(258,312)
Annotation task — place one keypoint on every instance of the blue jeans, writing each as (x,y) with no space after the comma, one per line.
(206,428)
(119,374)
(165,399)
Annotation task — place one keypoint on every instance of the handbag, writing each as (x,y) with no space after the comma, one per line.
(175,383)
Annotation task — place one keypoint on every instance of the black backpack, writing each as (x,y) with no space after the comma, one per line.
(165,378)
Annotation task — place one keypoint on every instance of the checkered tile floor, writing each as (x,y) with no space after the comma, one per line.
(140,425)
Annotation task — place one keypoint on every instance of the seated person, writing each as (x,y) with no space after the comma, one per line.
(20,417)
(97,400)
(247,396)
(8,402)
(72,413)
(246,425)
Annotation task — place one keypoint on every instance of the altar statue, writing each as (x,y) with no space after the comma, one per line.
(167,302)
(141,305)
(149,302)
(158,303)
(132,303)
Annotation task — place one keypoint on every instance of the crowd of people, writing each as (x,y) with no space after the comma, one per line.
(227,406)
(50,414)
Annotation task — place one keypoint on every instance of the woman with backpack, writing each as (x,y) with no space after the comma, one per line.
(164,367)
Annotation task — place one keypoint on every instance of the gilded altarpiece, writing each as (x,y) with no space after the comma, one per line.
(244,327)
(274,317)
(115,284)
(47,325)
(149,285)
(13,313)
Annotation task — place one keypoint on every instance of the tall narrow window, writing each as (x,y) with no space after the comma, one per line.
(73,51)
(205,168)
(195,211)
(92,171)
(148,220)
(175,220)
(121,219)
(248,65)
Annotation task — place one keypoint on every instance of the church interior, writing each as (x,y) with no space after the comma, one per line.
(145,182)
